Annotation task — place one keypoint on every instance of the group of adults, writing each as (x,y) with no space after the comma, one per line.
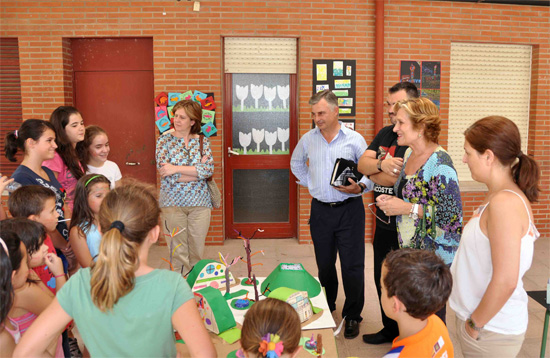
(418,204)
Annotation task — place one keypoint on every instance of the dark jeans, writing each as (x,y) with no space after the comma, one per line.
(384,241)
(341,230)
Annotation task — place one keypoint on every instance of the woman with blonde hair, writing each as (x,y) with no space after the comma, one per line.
(122,306)
(498,242)
(427,185)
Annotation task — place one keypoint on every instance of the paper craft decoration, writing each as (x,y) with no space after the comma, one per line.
(209,129)
(208,116)
(198,95)
(208,103)
(248,251)
(299,300)
(291,276)
(214,310)
(160,112)
(173,98)
(228,264)
(170,113)
(209,273)
(186,95)
(342,171)
(163,124)
(161,99)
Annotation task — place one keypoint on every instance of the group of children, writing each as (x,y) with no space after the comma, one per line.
(111,230)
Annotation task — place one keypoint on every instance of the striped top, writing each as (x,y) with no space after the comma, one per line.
(322,155)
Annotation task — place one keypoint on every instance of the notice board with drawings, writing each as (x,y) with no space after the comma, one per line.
(339,77)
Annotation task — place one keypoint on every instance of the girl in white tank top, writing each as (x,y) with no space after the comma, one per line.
(496,248)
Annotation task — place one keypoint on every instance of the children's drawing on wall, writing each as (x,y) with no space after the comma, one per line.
(348,123)
(410,72)
(338,68)
(165,102)
(431,74)
(321,70)
(261,113)
(432,95)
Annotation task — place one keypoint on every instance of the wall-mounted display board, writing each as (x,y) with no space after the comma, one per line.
(426,75)
(338,76)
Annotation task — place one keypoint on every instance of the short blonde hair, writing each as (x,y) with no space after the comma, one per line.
(423,113)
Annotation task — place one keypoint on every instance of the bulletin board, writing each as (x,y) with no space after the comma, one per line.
(339,77)
(426,75)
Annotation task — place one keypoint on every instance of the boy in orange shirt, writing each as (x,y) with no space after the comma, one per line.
(416,284)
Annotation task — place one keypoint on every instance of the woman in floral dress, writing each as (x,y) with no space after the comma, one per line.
(427,184)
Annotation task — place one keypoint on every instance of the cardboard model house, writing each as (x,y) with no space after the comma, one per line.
(208,273)
(299,300)
(214,310)
(291,276)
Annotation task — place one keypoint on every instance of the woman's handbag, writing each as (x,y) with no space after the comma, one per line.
(213,190)
(422,238)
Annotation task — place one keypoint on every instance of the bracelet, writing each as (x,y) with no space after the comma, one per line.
(379,164)
(472,325)
(62,275)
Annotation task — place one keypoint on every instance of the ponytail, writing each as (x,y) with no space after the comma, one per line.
(114,272)
(31,128)
(526,174)
(127,215)
(501,136)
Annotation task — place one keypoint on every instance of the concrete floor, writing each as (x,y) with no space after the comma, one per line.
(289,251)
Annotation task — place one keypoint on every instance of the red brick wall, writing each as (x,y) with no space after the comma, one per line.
(187,53)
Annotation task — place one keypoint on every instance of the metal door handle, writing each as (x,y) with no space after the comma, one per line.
(230,151)
(132,163)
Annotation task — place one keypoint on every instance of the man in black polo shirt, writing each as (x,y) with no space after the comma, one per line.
(382,162)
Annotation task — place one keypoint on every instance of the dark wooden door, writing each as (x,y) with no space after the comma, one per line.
(114,89)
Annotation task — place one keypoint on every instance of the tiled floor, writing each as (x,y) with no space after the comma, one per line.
(288,250)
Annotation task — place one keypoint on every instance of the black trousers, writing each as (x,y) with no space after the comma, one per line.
(384,241)
(341,230)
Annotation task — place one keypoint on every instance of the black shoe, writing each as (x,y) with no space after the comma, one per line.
(376,338)
(352,329)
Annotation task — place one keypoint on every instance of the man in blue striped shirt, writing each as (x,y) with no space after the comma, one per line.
(337,219)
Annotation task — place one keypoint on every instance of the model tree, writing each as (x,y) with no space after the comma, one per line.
(228,264)
(249,254)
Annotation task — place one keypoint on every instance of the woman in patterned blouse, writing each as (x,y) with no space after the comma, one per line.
(427,184)
(184,198)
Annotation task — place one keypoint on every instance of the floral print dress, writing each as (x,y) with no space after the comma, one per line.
(434,185)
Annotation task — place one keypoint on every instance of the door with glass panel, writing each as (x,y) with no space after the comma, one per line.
(260,126)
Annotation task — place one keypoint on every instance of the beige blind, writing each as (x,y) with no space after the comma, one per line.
(260,55)
(487,79)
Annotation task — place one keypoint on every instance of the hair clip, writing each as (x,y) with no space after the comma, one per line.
(92,178)
(271,346)
(4,246)
(16,133)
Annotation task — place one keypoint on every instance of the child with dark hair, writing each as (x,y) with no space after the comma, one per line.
(37,203)
(416,284)
(84,233)
(94,152)
(267,321)
(69,131)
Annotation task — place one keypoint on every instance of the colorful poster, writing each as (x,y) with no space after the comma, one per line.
(344,110)
(321,72)
(338,68)
(410,72)
(345,102)
(340,93)
(322,87)
(432,94)
(342,84)
(348,71)
(431,74)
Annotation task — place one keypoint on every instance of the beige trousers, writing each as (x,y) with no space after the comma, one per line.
(194,221)
(489,344)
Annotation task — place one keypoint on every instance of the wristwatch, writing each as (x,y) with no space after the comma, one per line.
(472,325)
(379,164)
(413,214)
(363,187)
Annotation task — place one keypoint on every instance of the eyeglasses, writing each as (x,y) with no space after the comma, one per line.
(374,213)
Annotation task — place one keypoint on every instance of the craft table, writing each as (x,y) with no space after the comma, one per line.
(322,325)
(223,349)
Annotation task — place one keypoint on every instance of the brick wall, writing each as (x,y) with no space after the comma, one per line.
(187,54)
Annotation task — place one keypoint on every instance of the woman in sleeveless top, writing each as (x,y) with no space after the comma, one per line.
(497,243)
